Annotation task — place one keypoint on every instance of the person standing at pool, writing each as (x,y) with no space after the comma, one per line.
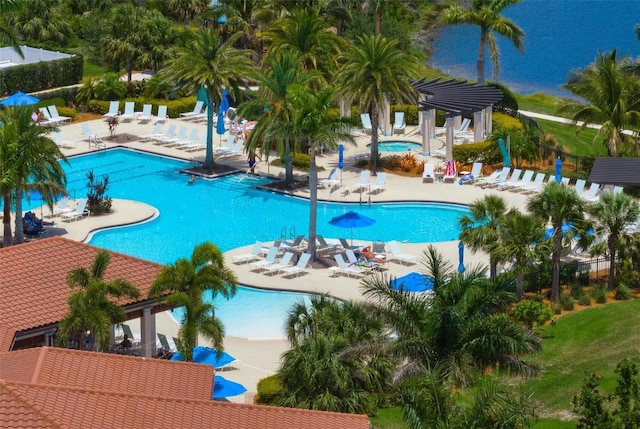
(192,179)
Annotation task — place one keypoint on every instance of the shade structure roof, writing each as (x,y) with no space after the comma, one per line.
(455,97)
(616,171)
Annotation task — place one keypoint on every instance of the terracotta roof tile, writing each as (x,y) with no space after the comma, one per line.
(90,401)
(33,278)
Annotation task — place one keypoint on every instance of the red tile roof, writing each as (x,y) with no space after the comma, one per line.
(86,401)
(33,278)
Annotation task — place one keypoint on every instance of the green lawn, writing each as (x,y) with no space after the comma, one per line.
(595,339)
(388,418)
(538,102)
(577,144)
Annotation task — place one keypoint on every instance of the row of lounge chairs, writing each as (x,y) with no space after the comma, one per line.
(398,127)
(51,116)
(130,114)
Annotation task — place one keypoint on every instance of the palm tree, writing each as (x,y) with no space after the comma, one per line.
(486,14)
(521,240)
(311,121)
(559,204)
(30,161)
(186,282)
(611,214)
(41,21)
(92,306)
(373,69)
(207,63)
(481,229)
(611,95)
(7,37)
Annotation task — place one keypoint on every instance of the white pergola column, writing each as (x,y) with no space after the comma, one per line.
(450,123)
(345,111)
(478,126)
(432,126)
(457,121)
(148,328)
(488,119)
(426,119)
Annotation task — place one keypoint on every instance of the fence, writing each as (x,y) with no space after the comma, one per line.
(574,272)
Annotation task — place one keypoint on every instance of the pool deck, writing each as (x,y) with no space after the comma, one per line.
(259,358)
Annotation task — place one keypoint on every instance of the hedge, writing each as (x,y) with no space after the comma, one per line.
(486,152)
(41,75)
(174,107)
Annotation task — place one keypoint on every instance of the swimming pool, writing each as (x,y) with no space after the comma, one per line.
(398,146)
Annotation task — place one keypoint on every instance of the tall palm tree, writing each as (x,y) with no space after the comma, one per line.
(42,21)
(186,282)
(206,62)
(312,122)
(481,228)
(374,68)
(92,306)
(278,73)
(486,14)
(30,160)
(7,37)
(521,240)
(611,214)
(610,91)
(559,204)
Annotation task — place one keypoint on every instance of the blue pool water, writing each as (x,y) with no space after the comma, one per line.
(397,146)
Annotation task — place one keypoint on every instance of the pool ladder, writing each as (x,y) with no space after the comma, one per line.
(292,233)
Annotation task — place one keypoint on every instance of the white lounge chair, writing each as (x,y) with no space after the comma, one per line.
(378,186)
(464,126)
(201,116)
(227,146)
(145,115)
(429,174)
(113,109)
(192,139)
(129,111)
(343,268)
(55,116)
(363,183)
(398,255)
(579,186)
(526,178)
(591,195)
(331,180)
(284,262)
(62,207)
(174,141)
(399,125)
(296,244)
(199,145)
(92,137)
(268,260)
(298,268)
(47,117)
(513,179)
(195,112)
(162,113)
(474,174)
(171,131)
(502,177)
(235,150)
(535,186)
(155,133)
(366,122)
(247,257)
(490,178)
(60,142)
(80,211)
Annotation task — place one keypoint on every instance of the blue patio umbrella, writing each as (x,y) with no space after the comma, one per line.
(223,388)
(566,228)
(208,356)
(220,129)
(461,257)
(340,160)
(412,282)
(558,169)
(20,99)
(224,101)
(351,220)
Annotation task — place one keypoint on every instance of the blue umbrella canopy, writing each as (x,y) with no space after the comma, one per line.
(351,220)
(224,102)
(20,99)
(558,169)
(340,157)
(220,129)
(412,282)
(461,257)
(567,227)
(223,388)
(209,356)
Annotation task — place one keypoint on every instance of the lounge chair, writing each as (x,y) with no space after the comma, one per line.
(196,111)
(535,186)
(398,255)
(145,115)
(162,114)
(579,186)
(501,178)
(363,183)
(351,257)
(379,248)
(201,116)
(526,178)
(174,141)
(476,173)
(324,245)
(343,268)
(113,109)
(129,111)
(450,173)
(199,145)
(429,175)
(378,186)
(189,141)
(296,244)
(276,267)
(270,259)
(399,125)
(165,347)
(331,180)
(171,131)
(617,190)
(565,181)
(297,269)
(155,133)
(92,137)
(366,123)
(47,117)
(591,195)
(345,244)
(247,257)
(80,211)
(60,142)
(464,126)
(227,146)
(490,178)
(264,249)
(55,116)
(62,207)
(235,150)
(513,178)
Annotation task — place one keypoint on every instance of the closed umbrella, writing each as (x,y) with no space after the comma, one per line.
(340,160)
(224,102)
(558,169)
(220,129)
(207,356)
(351,220)
(461,257)
(20,99)
(223,388)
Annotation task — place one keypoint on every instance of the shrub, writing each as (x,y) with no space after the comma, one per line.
(600,294)
(97,201)
(584,300)
(532,314)
(506,123)
(567,302)
(557,308)
(486,152)
(622,293)
(268,390)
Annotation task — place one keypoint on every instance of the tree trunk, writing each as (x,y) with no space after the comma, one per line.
(375,121)
(19,227)
(6,221)
(480,62)
(520,286)
(493,268)
(612,262)
(288,165)
(378,18)
(313,202)
(555,264)
(208,160)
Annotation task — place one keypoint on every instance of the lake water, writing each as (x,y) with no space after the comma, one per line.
(561,35)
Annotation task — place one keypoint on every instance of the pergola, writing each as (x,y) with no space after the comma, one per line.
(616,171)
(456,99)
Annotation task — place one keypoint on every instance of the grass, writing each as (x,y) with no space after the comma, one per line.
(388,418)
(538,102)
(594,339)
(577,144)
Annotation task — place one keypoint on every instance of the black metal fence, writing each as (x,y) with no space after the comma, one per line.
(573,273)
